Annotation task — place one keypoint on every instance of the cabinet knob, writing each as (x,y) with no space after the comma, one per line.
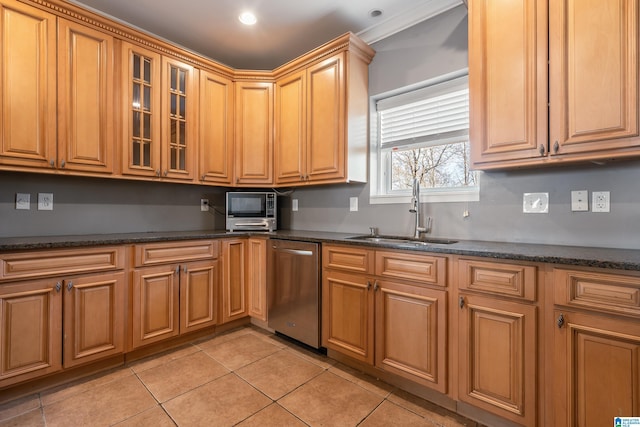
(177,269)
(202,178)
(541,149)
(556,147)
(461,302)
(58,286)
(52,163)
(69,286)
(368,285)
(376,287)
(560,321)
(157,172)
(63,163)
(184,269)
(166,172)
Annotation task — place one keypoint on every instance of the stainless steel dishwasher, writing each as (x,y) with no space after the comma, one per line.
(293,290)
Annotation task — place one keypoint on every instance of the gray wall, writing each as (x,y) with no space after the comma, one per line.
(439,46)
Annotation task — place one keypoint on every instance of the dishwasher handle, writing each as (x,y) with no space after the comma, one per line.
(295,251)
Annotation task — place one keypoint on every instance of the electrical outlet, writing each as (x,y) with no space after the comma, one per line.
(600,201)
(294,205)
(23,201)
(45,201)
(204,205)
(579,201)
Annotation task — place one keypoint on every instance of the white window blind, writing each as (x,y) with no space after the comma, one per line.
(432,114)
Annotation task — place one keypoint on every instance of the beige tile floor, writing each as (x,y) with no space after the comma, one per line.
(245,377)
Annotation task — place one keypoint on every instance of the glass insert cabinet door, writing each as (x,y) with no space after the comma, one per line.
(178,102)
(141,110)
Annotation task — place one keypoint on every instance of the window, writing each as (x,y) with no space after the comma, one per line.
(424,133)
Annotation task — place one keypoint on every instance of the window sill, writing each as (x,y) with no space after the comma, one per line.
(432,197)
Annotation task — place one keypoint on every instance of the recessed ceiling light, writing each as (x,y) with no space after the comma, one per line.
(374,13)
(248,18)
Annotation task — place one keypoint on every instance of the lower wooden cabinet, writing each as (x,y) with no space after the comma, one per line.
(347,314)
(399,326)
(172,291)
(411,331)
(234,304)
(94,317)
(257,278)
(497,357)
(30,330)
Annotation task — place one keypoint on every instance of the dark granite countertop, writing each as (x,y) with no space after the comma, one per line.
(623,259)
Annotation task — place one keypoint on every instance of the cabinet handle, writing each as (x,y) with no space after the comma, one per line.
(461,302)
(58,287)
(376,287)
(556,147)
(166,172)
(157,172)
(69,286)
(560,321)
(368,285)
(52,163)
(63,163)
(541,148)
(202,178)
(177,270)
(184,269)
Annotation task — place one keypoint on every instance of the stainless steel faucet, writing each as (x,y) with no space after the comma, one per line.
(415,208)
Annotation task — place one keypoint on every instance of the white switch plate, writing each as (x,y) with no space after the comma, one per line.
(23,201)
(579,201)
(353,204)
(535,203)
(45,201)
(294,205)
(600,201)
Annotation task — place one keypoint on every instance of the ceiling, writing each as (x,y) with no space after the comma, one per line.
(285,29)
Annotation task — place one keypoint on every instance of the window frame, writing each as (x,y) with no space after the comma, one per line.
(379,163)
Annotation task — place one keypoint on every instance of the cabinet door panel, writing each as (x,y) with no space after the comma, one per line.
(594,75)
(30,330)
(216,129)
(94,318)
(179,103)
(141,117)
(198,289)
(254,133)
(326,120)
(507,80)
(27,86)
(347,315)
(257,278)
(411,333)
(234,292)
(597,366)
(291,130)
(155,304)
(497,345)
(85,99)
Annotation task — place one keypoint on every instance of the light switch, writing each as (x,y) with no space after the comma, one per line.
(294,205)
(353,204)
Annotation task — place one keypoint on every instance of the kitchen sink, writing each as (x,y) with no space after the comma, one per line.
(402,240)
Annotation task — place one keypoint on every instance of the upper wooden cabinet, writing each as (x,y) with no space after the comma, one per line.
(322,118)
(27,86)
(254,133)
(83,139)
(159,114)
(592,82)
(85,99)
(216,129)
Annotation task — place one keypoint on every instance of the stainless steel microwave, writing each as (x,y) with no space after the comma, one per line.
(251,211)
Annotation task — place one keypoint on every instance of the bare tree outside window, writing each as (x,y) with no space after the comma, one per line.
(439,166)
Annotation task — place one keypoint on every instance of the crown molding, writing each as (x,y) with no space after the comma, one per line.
(407,19)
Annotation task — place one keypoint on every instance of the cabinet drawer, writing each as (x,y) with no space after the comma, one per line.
(348,258)
(408,266)
(168,252)
(498,278)
(616,293)
(66,261)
